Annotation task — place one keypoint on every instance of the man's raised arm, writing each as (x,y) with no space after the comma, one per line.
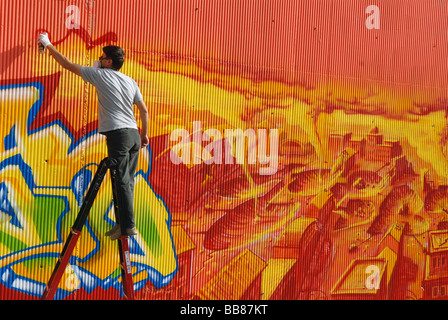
(59,57)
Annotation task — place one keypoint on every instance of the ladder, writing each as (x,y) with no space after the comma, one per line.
(75,232)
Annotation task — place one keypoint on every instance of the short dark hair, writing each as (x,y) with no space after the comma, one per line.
(116,54)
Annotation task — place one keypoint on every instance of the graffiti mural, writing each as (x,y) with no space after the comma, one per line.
(298,149)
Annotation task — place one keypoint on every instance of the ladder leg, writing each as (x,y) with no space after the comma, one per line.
(126,268)
(75,232)
(61,264)
(123,247)
(113,173)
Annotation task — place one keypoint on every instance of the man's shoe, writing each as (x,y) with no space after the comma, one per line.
(114,229)
(129,232)
(132,231)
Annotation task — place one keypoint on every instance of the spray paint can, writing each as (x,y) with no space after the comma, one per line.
(41,48)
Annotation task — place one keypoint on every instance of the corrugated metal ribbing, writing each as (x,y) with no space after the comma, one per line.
(341,110)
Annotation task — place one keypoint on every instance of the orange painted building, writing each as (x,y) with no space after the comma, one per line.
(352,284)
(238,280)
(352,95)
(435,282)
(278,281)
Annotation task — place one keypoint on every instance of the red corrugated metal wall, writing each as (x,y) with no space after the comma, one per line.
(342,105)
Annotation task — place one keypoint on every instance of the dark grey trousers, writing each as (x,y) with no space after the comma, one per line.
(123,145)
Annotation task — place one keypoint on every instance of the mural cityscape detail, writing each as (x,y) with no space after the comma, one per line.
(298,149)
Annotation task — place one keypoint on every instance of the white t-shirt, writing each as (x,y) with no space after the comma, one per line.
(117,93)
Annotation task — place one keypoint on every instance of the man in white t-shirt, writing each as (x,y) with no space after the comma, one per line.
(117,93)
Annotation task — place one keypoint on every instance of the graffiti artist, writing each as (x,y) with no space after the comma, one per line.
(117,93)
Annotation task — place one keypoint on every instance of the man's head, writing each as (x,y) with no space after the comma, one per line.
(113,57)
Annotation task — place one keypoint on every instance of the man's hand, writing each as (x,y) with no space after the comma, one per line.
(43,38)
(144,141)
